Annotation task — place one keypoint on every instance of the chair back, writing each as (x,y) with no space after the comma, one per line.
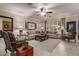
(7,41)
(15,44)
(72,35)
(12,40)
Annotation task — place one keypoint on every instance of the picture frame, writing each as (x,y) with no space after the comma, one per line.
(30,25)
(7,23)
(71,26)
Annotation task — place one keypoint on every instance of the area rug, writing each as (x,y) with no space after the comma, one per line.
(48,45)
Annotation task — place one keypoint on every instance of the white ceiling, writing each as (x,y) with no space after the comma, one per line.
(25,9)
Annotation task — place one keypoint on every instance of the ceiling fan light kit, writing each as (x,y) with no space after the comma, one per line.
(42,14)
(42,9)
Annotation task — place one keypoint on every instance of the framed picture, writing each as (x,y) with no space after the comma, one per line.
(30,25)
(71,26)
(7,26)
(6,23)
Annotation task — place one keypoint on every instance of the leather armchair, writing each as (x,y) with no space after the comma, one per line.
(11,43)
(70,36)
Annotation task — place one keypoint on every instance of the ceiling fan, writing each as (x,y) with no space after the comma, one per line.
(42,8)
(43,11)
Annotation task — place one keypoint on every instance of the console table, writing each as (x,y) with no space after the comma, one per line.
(24,51)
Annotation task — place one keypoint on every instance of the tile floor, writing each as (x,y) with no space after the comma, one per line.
(61,48)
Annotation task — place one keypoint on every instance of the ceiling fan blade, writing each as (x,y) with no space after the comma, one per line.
(49,12)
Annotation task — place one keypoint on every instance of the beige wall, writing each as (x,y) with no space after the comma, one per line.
(17,19)
(39,20)
(0,23)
